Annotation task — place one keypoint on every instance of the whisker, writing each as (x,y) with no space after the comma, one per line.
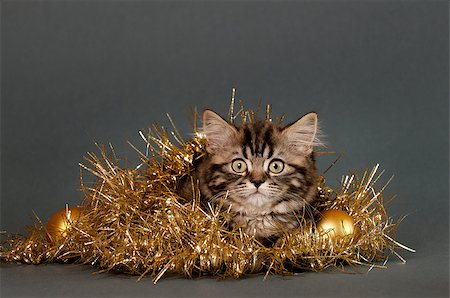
(309,211)
(311,207)
(217,195)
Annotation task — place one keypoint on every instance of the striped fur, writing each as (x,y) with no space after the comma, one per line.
(263,203)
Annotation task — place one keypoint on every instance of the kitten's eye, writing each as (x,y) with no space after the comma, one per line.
(239,166)
(276,166)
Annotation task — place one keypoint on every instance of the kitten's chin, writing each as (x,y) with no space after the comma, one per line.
(258,200)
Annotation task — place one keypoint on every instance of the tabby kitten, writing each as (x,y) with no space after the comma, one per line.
(265,174)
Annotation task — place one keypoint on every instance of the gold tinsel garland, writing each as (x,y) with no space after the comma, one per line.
(133,222)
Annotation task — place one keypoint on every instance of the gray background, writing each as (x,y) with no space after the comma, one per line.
(376,72)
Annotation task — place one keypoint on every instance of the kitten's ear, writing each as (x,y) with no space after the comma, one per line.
(302,134)
(218,132)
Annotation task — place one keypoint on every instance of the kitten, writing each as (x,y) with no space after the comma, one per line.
(263,173)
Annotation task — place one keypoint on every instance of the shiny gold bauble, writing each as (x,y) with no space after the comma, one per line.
(336,223)
(60,223)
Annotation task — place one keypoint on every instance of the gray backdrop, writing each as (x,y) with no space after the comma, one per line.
(79,72)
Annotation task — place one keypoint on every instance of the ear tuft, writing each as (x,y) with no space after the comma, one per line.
(218,132)
(302,134)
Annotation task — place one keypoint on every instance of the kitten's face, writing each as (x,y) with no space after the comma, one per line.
(259,167)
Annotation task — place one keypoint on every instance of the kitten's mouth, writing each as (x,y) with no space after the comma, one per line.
(258,199)
(258,192)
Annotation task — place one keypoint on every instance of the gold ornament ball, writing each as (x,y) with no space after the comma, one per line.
(59,224)
(336,223)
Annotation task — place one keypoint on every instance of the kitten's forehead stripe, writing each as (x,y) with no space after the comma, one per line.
(256,138)
(267,139)
(247,152)
(258,131)
(248,139)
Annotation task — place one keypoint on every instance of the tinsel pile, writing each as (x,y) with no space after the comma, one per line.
(133,222)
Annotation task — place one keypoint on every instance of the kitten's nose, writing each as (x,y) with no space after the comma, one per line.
(257,183)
